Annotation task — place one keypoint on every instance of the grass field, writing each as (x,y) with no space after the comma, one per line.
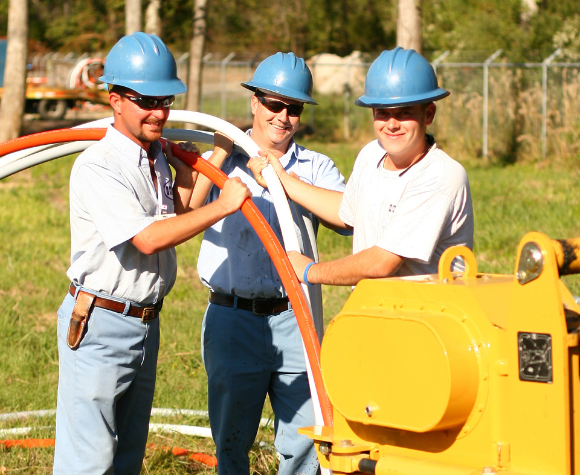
(34,256)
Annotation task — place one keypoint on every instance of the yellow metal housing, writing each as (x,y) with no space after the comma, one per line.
(450,374)
(428,353)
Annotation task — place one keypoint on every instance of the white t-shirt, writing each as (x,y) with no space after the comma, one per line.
(416,213)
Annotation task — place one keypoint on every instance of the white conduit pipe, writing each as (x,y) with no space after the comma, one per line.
(196,431)
(17,161)
(13,157)
(43,156)
(21,431)
(274,186)
(155,411)
(26,414)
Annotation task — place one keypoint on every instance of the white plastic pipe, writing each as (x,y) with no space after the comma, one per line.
(195,431)
(155,411)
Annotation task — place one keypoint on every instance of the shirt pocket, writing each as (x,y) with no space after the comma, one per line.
(245,240)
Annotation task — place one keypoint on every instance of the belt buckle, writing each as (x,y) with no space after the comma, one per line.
(149,313)
(255,310)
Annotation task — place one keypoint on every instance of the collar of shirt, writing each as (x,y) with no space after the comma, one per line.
(127,148)
(382,155)
(293,150)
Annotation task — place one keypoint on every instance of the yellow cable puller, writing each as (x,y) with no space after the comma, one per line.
(454,374)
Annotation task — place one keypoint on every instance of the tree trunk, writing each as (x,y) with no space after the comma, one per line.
(14,95)
(152,20)
(196,55)
(409,24)
(132,16)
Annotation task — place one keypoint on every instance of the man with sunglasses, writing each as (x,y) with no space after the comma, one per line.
(251,342)
(127,215)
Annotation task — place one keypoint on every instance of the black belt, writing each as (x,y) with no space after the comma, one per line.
(257,306)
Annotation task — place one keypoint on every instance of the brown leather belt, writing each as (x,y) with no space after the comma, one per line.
(260,307)
(146,314)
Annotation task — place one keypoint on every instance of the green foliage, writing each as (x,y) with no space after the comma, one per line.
(472,25)
(304,26)
(307,27)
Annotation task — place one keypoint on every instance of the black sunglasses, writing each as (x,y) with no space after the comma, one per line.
(149,103)
(294,110)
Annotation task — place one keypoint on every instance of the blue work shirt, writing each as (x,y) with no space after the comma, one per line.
(232,259)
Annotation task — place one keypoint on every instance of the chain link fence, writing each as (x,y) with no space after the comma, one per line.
(498,109)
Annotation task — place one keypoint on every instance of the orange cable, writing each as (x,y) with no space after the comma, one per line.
(250,211)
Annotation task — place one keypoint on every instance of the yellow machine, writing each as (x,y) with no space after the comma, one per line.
(457,374)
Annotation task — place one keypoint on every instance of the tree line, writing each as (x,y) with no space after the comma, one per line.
(308,27)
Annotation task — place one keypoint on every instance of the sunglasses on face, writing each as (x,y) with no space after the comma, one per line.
(294,110)
(149,103)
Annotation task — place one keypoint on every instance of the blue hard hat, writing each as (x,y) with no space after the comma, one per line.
(400,77)
(285,75)
(143,63)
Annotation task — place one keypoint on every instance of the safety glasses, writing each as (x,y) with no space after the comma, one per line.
(294,110)
(149,103)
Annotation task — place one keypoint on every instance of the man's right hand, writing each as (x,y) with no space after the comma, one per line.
(233,195)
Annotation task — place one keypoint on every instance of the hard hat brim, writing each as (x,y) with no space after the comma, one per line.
(156,89)
(378,102)
(280,91)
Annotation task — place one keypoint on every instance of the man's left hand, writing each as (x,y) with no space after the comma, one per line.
(257,165)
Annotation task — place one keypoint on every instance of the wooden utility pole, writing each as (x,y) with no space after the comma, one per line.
(152,20)
(196,55)
(409,24)
(132,16)
(12,106)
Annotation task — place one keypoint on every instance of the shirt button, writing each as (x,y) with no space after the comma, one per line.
(266,276)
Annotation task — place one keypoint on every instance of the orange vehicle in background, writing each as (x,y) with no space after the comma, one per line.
(82,89)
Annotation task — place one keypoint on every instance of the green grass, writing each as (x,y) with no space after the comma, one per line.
(34,256)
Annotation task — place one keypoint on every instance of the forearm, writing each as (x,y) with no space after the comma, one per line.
(170,232)
(371,263)
(182,190)
(203,184)
(323,203)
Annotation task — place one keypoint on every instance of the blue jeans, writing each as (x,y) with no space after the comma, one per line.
(105,393)
(247,356)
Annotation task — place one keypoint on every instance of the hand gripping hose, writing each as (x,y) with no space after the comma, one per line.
(260,225)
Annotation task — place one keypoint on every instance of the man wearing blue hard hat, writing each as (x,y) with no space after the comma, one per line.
(406,199)
(127,213)
(251,342)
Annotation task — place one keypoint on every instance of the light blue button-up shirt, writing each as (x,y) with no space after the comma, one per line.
(232,259)
(112,198)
